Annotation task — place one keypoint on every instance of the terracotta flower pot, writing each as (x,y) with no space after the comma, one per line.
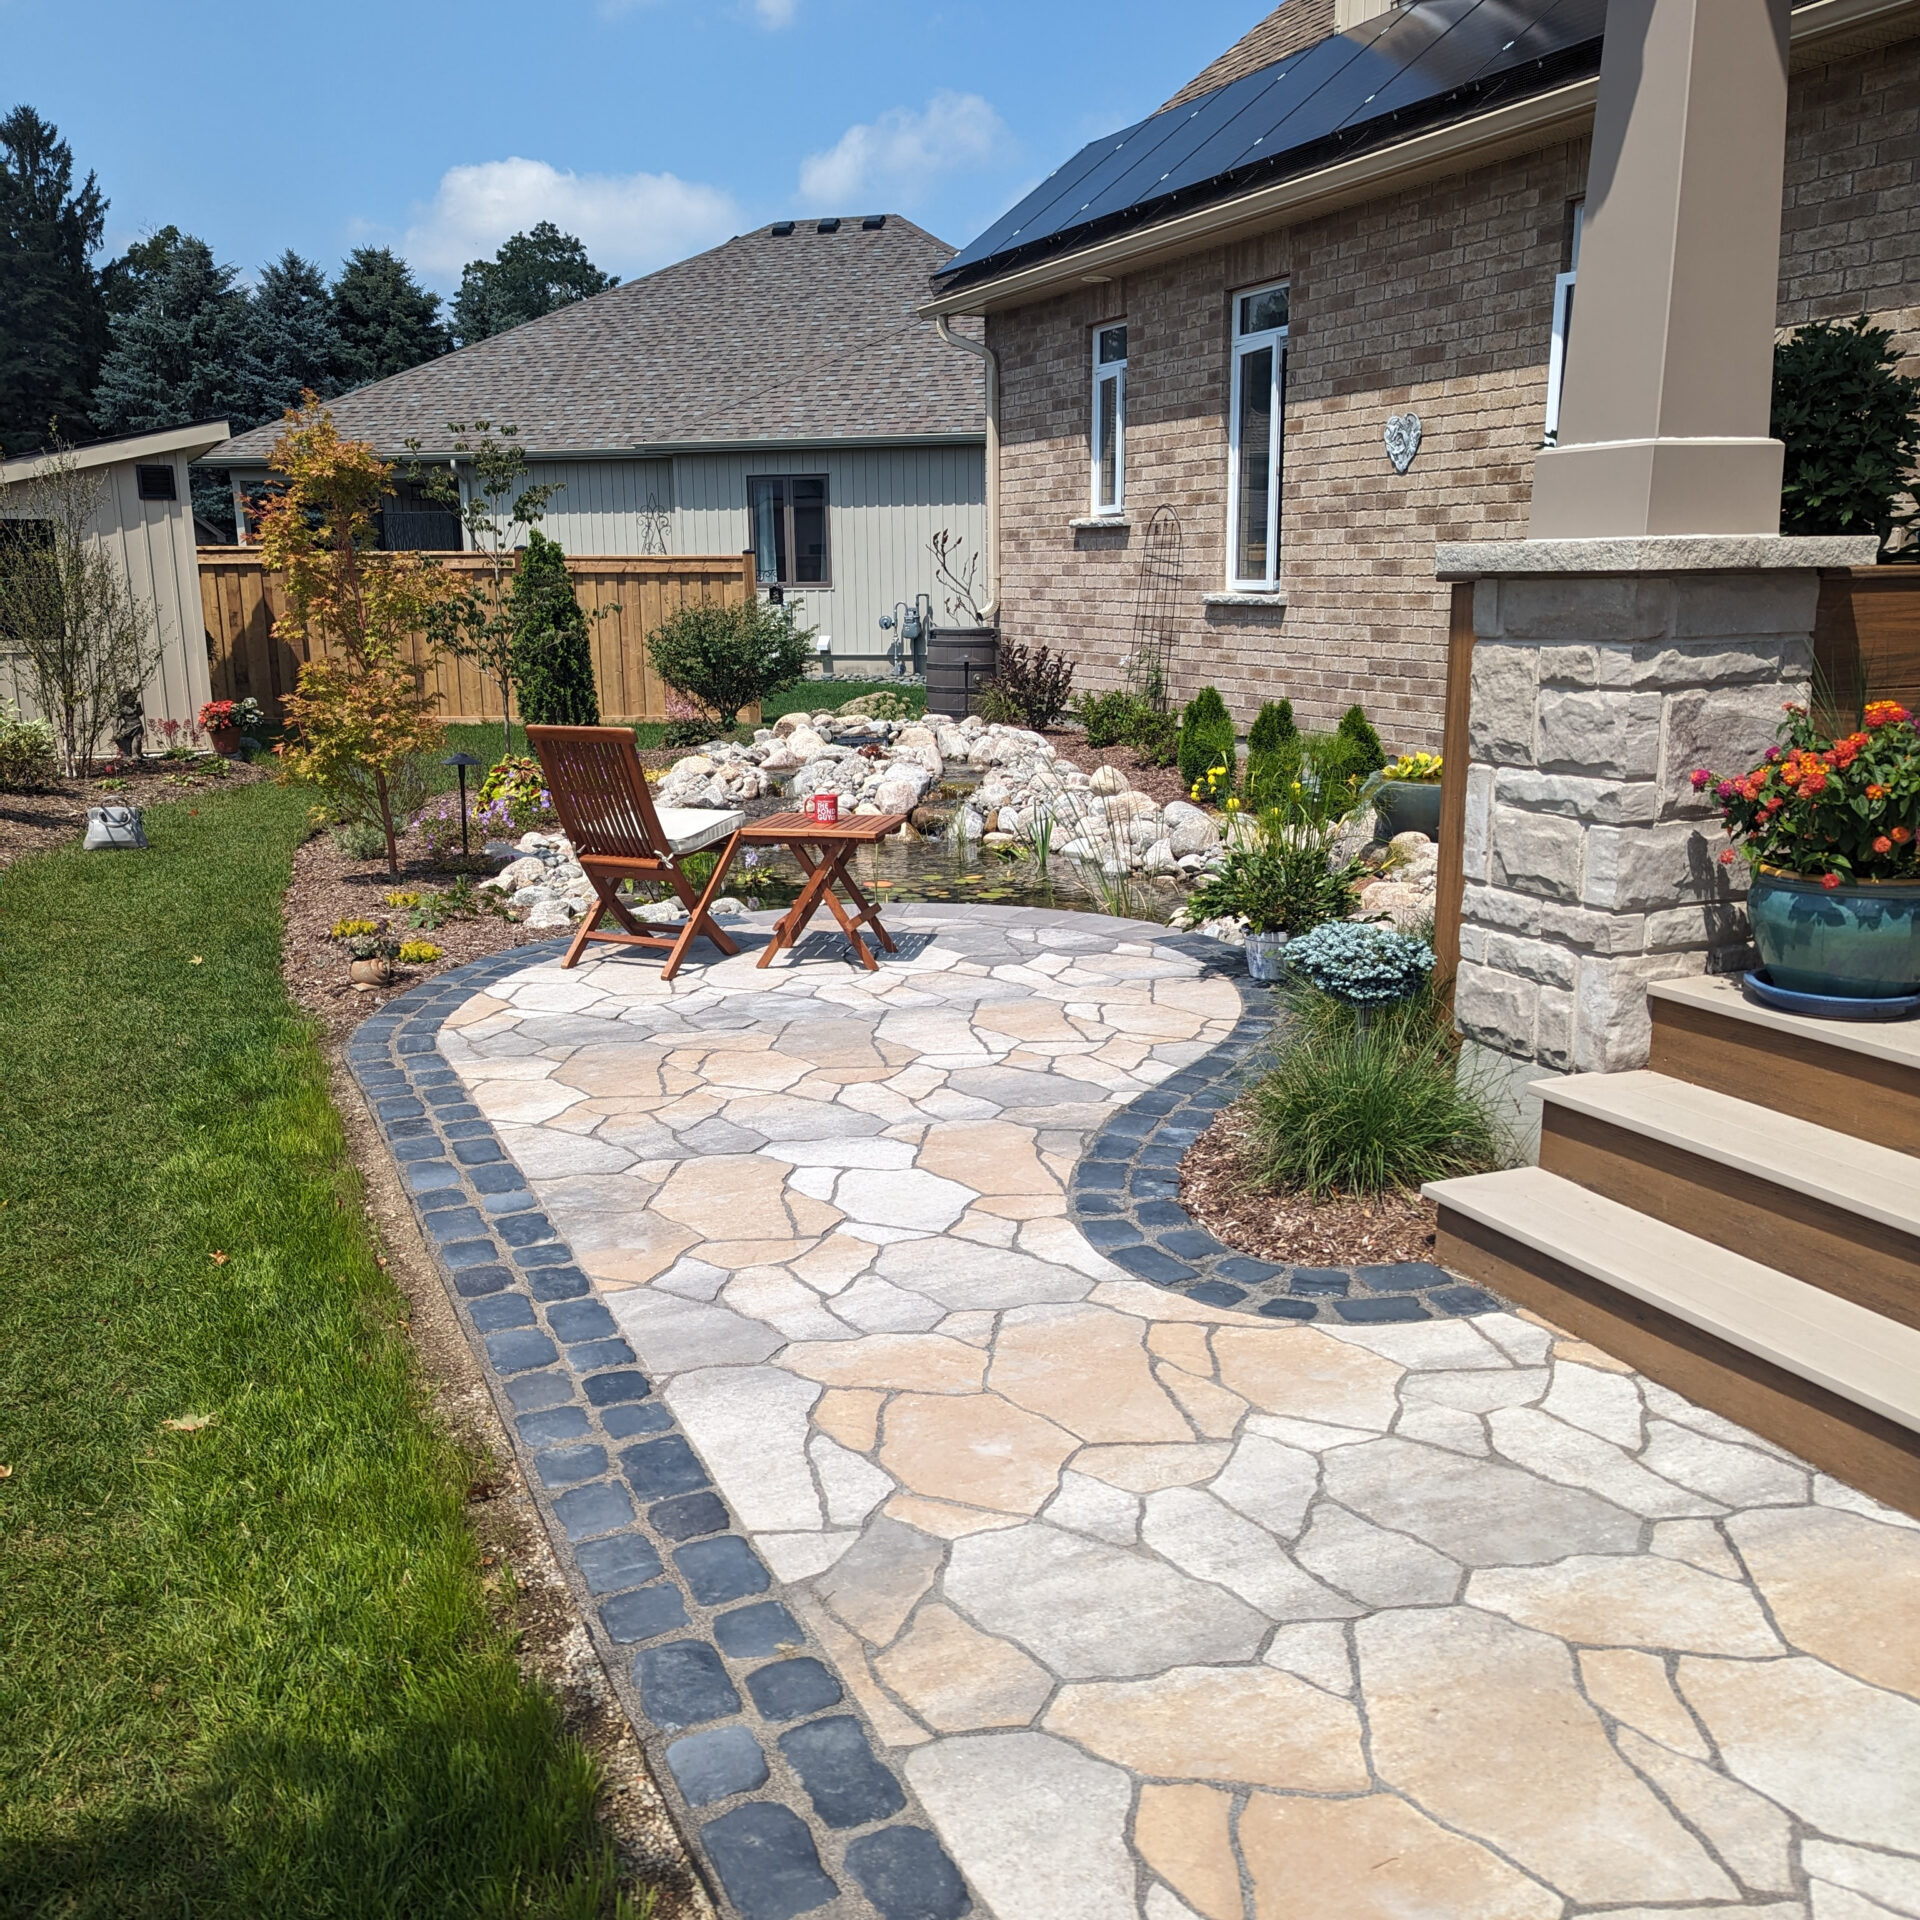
(226,741)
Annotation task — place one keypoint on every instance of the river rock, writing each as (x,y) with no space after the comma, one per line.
(1193,832)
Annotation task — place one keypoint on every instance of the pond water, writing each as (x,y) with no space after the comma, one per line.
(939,870)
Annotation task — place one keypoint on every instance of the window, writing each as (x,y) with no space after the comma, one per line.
(155,483)
(1254,439)
(789,513)
(1563,318)
(413,520)
(1110,418)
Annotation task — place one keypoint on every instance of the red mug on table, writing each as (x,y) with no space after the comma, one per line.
(825,808)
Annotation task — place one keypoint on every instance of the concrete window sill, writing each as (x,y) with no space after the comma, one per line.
(1102,523)
(1274,599)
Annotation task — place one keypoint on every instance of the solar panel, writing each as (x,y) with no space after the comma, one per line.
(1417,67)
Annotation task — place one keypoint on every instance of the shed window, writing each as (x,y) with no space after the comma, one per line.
(1110,418)
(155,483)
(1563,284)
(789,513)
(1254,438)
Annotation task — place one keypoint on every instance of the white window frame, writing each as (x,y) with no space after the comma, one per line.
(1244,345)
(1114,372)
(1563,286)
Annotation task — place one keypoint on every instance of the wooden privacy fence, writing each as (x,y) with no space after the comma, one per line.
(240,601)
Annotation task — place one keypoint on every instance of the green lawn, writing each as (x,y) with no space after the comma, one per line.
(246,1669)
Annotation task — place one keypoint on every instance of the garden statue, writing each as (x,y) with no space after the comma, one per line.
(129,725)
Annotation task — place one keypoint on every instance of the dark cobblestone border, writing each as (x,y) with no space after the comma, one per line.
(768,1766)
(1125,1194)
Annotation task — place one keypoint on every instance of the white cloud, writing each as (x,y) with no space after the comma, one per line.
(897,157)
(630,222)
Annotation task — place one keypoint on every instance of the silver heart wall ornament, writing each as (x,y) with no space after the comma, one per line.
(1403,439)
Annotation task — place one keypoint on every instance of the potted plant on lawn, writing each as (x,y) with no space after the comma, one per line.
(1829,828)
(1408,797)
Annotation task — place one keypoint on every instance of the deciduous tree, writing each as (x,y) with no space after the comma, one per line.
(533,273)
(361,714)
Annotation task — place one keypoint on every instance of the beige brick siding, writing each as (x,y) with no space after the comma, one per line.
(1439,299)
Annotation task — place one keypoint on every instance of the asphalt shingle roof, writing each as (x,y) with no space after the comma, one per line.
(803,336)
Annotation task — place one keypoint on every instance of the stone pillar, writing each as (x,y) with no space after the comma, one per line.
(1604,672)
(1664,422)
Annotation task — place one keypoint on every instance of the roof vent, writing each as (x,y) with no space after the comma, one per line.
(873,223)
(781,228)
(829,226)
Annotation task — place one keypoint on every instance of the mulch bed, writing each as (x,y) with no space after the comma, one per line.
(328,887)
(1159,784)
(1217,1188)
(36,822)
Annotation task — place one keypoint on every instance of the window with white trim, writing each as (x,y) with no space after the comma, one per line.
(1254,433)
(1563,284)
(1110,417)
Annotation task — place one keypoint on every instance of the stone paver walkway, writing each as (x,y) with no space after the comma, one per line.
(1149,1608)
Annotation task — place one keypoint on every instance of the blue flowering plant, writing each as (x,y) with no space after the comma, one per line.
(1361,965)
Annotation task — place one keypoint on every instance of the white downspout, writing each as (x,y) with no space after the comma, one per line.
(991,606)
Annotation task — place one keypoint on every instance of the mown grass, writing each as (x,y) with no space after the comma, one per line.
(245,1669)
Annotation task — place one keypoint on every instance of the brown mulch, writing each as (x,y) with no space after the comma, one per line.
(1217,1188)
(329,887)
(36,822)
(1159,784)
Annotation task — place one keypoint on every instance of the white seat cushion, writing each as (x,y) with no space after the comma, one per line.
(688,829)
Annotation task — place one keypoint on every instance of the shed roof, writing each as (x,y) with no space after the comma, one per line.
(196,442)
(802,336)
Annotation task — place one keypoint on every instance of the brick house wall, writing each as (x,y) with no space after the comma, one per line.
(1438,300)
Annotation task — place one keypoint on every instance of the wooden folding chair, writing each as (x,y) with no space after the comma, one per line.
(599,790)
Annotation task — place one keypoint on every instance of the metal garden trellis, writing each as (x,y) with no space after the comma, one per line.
(1156,608)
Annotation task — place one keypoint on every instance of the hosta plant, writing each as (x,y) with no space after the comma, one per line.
(1836,811)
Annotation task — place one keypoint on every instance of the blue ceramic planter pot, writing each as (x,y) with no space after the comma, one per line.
(1408,806)
(1859,942)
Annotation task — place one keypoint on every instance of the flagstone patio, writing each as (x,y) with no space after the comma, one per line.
(1157,1608)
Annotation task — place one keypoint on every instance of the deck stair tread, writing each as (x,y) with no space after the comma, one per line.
(1857,1176)
(1816,1335)
(1895,1041)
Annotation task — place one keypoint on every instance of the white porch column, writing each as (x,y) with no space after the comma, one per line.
(1665,408)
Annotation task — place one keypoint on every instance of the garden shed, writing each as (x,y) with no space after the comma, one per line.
(144,521)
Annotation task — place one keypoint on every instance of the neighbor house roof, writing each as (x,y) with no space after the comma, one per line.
(1293,121)
(195,442)
(796,336)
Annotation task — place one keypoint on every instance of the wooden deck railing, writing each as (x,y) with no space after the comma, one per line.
(240,601)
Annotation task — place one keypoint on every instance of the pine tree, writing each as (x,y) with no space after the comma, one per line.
(552,655)
(53,321)
(294,342)
(1273,727)
(386,321)
(1365,752)
(182,346)
(1206,743)
(533,273)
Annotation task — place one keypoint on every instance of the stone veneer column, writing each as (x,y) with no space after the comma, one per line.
(1604,672)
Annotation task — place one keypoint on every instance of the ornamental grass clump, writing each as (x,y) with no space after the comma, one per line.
(1836,811)
(1359,1105)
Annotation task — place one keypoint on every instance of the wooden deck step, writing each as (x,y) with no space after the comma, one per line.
(1858,1077)
(1830,1209)
(1803,1366)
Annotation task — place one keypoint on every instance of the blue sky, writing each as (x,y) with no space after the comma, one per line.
(651,128)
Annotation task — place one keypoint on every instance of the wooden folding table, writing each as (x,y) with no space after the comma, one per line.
(823,852)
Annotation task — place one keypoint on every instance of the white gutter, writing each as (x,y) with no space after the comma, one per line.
(986,353)
(1825,30)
